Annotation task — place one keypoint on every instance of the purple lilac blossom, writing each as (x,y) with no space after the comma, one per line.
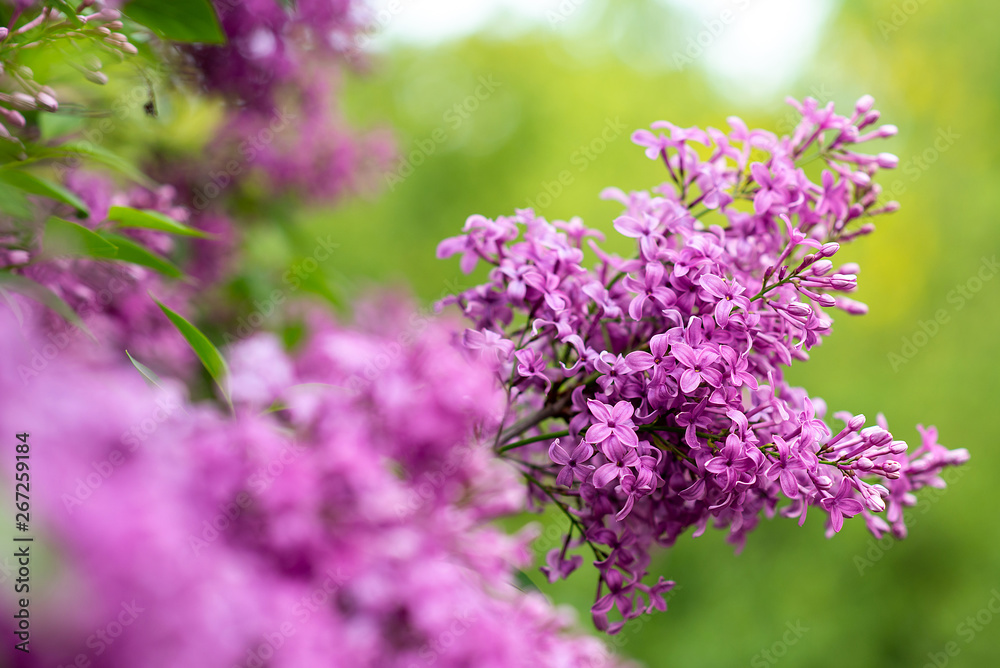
(279,70)
(111,297)
(347,525)
(669,365)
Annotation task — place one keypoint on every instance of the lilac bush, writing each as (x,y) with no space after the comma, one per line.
(646,395)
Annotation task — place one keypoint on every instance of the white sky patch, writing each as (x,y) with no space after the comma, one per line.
(427,22)
(750,48)
(763,47)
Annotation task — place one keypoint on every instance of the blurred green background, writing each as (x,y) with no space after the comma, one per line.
(559,101)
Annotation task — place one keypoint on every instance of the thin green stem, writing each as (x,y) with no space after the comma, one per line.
(533,439)
(598,554)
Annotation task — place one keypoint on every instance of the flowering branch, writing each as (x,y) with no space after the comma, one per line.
(660,380)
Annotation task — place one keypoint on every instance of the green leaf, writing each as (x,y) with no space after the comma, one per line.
(36,185)
(44,296)
(106,158)
(146,372)
(14,203)
(178,20)
(58,125)
(316,284)
(67,9)
(130,251)
(149,219)
(524,583)
(63,237)
(209,355)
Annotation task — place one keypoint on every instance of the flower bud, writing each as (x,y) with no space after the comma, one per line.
(851,306)
(957,456)
(16,257)
(876,436)
(22,101)
(828,249)
(870,117)
(887,160)
(860,179)
(799,310)
(99,78)
(844,282)
(890,207)
(875,503)
(864,464)
(826,300)
(47,102)
(12,117)
(822,267)
(863,105)
(856,422)
(887,131)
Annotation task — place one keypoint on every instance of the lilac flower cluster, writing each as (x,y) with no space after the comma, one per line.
(269,44)
(277,71)
(340,518)
(111,297)
(646,395)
